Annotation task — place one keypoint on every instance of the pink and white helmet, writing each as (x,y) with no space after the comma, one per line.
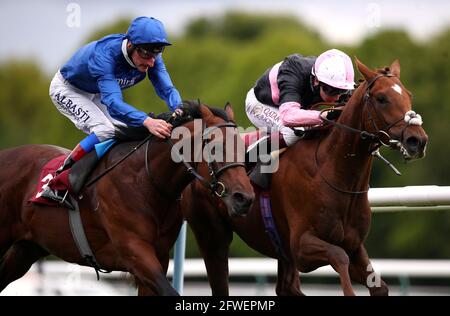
(335,69)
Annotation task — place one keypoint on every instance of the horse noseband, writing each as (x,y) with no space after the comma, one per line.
(215,186)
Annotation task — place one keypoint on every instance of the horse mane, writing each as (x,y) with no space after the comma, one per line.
(191,110)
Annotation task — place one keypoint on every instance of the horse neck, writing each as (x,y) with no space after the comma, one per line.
(347,151)
(152,169)
(174,176)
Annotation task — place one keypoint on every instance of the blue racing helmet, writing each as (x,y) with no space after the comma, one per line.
(145,30)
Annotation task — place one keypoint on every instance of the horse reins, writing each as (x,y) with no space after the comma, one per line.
(378,139)
(104,172)
(381,133)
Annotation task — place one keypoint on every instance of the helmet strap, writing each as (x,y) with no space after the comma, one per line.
(128,52)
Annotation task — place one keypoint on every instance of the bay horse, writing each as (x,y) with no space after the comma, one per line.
(130,215)
(319,193)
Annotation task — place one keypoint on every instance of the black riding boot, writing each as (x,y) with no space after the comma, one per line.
(262,172)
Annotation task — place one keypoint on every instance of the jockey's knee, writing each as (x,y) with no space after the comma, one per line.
(289,137)
(104,132)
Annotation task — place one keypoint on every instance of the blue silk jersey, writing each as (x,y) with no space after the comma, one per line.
(101,67)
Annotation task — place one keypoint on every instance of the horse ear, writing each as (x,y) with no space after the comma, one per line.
(204,111)
(229,110)
(365,71)
(395,68)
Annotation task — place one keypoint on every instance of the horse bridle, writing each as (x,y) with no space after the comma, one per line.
(214,185)
(382,135)
(379,138)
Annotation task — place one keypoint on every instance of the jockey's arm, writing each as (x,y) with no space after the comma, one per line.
(163,85)
(111,96)
(292,115)
(102,68)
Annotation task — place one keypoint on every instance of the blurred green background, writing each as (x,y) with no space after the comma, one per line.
(218,60)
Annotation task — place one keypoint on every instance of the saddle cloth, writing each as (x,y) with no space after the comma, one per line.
(48,172)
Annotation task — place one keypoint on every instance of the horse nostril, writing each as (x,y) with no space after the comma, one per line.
(413,143)
(242,199)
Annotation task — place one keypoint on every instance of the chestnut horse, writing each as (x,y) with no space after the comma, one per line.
(130,216)
(319,194)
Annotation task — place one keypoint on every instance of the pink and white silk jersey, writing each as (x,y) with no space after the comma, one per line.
(268,117)
(282,96)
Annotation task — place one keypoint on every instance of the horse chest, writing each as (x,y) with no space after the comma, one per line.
(352,239)
(344,234)
(350,228)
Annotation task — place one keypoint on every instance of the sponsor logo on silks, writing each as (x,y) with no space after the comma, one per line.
(73,108)
(268,116)
(126,82)
(257,110)
(271,114)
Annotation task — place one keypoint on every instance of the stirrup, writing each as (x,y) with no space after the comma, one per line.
(64,197)
(50,194)
(63,201)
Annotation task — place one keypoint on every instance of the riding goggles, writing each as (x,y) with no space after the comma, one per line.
(149,51)
(332,91)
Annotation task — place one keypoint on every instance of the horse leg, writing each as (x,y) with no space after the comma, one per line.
(141,261)
(214,241)
(164,260)
(362,272)
(6,240)
(18,260)
(4,248)
(144,290)
(288,280)
(313,252)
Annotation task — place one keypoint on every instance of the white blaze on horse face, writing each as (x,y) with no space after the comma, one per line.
(397,88)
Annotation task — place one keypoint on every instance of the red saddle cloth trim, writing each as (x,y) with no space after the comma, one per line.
(48,172)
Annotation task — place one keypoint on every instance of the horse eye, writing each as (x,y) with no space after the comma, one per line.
(381,99)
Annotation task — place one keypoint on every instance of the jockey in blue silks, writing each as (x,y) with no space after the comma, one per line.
(88,88)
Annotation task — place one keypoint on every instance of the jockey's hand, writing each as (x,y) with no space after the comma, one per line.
(157,127)
(179,112)
(331,115)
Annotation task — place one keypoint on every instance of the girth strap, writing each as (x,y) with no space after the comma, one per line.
(269,224)
(79,236)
